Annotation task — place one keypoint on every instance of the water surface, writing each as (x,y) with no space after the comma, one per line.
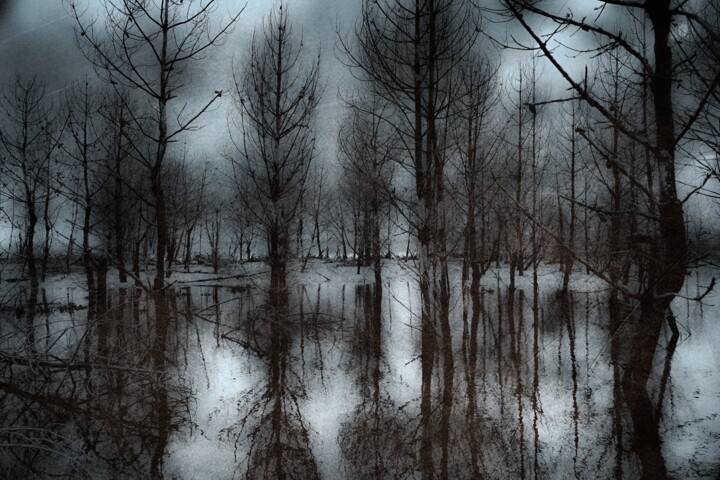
(221,381)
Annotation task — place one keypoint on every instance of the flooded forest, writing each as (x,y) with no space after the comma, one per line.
(469,240)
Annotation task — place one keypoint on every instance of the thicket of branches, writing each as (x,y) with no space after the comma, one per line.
(586,154)
(442,151)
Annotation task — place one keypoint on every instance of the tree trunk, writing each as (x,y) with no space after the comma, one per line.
(188,249)
(216,246)
(670,268)
(570,250)
(161,227)
(156,171)
(48,228)
(317,234)
(118,204)
(30,242)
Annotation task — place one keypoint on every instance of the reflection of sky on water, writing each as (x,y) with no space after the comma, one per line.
(216,380)
(328,406)
(328,361)
(332,397)
(402,330)
(691,410)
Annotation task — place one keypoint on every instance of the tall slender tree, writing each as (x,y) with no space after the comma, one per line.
(86,129)
(146,47)
(28,138)
(276,94)
(476,138)
(670,122)
(368,146)
(408,51)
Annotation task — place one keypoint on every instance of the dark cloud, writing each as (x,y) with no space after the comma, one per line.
(36,38)
(4,9)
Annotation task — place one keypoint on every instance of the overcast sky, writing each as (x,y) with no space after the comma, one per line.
(36,38)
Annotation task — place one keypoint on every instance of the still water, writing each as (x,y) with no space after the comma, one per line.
(215,383)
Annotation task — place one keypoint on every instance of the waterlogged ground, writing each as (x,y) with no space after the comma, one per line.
(213,383)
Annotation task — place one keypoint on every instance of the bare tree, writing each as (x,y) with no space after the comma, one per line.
(408,51)
(570,164)
(368,146)
(672,115)
(276,95)
(86,130)
(340,211)
(245,223)
(316,200)
(520,182)
(213,218)
(194,183)
(477,141)
(147,47)
(187,183)
(28,140)
(625,197)
(121,136)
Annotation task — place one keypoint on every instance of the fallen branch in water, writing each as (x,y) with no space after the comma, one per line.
(698,298)
(244,344)
(62,365)
(231,277)
(708,290)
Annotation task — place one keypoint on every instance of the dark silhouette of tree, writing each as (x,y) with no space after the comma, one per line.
(28,139)
(86,129)
(477,140)
(116,148)
(518,151)
(245,224)
(316,199)
(408,52)
(276,95)
(189,200)
(672,115)
(569,166)
(368,146)
(147,47)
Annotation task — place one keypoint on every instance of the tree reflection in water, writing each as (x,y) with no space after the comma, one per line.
(534,384)
(271,427)
(98,399)
(376,441)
